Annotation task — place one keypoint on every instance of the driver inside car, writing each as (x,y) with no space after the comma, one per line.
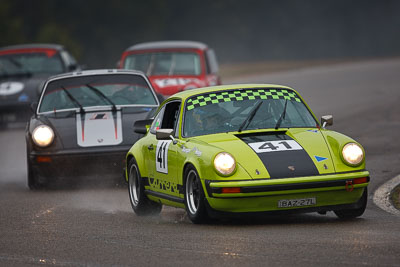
(207,119)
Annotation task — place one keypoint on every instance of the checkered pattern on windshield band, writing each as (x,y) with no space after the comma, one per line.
(239,95)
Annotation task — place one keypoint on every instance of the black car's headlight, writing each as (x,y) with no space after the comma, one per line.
(43,135)
(224,163)
(352,154)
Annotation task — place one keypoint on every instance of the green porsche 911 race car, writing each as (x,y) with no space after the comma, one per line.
(244,149)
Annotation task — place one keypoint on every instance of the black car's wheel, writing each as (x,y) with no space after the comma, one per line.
(141,205)
(354,213)
(194,197)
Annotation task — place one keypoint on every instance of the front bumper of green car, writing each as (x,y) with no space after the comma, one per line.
(313,193)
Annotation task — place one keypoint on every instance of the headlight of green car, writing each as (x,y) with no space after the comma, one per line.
(224,163)
(352,154)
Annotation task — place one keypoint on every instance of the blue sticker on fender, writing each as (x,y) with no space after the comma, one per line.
(318,158)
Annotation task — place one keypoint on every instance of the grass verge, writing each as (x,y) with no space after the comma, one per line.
(395,197)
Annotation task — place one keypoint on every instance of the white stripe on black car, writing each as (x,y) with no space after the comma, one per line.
(99,128)
(282,156)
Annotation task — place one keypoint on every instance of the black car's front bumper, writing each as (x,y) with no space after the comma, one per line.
(72,165)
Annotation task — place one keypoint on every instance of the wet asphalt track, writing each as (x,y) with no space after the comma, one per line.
(94,225)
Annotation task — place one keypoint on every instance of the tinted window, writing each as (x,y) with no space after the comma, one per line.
(46,62)
(212,61)
(96,90)
(165,63)
(228,110)
(157,121)
(167,118)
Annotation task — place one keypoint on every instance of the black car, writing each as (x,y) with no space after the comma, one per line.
(23,69)
(83,125)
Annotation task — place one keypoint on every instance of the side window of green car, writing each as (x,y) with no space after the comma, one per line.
(167,118)
(157,121)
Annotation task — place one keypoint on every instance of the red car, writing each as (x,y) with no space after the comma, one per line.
(173,66)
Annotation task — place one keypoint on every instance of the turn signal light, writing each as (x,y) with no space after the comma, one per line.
(230,190)
(360,180)
(41,159)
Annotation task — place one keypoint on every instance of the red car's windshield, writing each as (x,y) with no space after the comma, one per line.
(164,63)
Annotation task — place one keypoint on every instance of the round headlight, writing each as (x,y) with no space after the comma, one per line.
(224,163)
(43,135)
(352,154)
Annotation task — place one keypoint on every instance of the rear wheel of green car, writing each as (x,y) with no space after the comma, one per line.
(194,197)
(354,213)
(141,205)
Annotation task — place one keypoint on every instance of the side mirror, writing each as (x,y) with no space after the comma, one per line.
(142,126)
(72,67)
(164,134)
(326,120)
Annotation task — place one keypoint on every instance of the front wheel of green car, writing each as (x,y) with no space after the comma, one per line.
(194,197)
(354,213)
(141,205)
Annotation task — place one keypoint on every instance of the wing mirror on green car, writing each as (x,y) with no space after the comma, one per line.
(164,134)
(326,120)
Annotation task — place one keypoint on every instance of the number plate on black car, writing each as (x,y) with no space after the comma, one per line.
(288,203)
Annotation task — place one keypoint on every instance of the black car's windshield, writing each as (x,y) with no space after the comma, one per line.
(226,111)
(97,90)
(165,63)
(46,62)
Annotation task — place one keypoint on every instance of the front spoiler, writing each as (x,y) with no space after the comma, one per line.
(69,164)
(276,212)
(333,190)
(262,187)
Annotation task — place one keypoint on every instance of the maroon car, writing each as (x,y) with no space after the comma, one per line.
(173,66)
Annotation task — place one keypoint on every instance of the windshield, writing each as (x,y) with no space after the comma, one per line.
(43,62)
(97,90)
(165,63)
(246,109)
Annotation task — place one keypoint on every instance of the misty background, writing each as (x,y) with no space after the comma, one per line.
(97,32)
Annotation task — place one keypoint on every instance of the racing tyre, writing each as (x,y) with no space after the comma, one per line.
(354,213)
(194,197)
(141,205)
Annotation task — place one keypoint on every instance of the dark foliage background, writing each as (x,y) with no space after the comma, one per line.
(98,31)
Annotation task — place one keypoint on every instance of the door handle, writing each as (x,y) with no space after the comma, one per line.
(150,147)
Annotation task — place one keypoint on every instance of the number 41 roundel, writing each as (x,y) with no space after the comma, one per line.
(162,156)
(275,146)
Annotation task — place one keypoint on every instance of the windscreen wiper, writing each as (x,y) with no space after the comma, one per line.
(15,62)
(73,99)
(250,116)
(100,93)
(283,115)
